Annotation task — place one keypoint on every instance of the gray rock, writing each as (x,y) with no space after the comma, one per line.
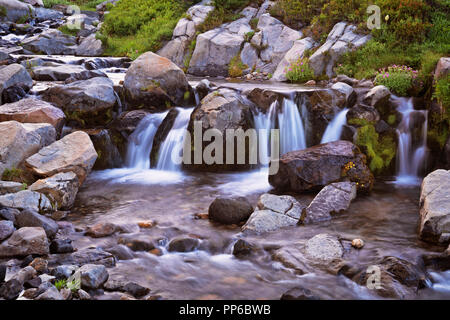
(51,42)
(30,218)
(27,199)
(350,94)
(44,14)
(51,294)
(61,246)
(286,205)
(9,214)
(11,289)
(10,187)
(324,248)
(64,271)
(25,274)
(45,130)
(6,229)
(84,256)
(90,47)
(93,276)
(230,210)
(266,220)
(64,72)
(14,75)
(25,241)
(377,96)
(16,10)
(83,295)
(121,252)
(183,244)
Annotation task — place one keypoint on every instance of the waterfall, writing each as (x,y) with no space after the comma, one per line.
(174,142)
(292,129)
(263,124)
(334,129)
(141,141)
(411,154)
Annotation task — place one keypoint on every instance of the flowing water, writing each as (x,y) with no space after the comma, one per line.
(334,129)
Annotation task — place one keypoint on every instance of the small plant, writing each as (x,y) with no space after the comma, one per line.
(254,23)
(299,71)
(442,93)
(236,67)
(61,284)
(399,79)
(248,36)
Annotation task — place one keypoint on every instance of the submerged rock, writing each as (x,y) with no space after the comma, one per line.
(230,210)
(183,244)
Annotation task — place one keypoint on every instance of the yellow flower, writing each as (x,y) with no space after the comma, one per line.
(386,18)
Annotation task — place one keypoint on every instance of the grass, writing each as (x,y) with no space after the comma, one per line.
(86,5)
(66,30)
(236,67)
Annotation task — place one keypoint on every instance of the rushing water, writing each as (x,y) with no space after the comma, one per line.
(334,129)
(412,150)
(292,129)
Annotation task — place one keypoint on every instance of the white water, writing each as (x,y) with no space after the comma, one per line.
(334,129)
(411,155)
(263,124)
(141,141)
(173,144)
(292,129)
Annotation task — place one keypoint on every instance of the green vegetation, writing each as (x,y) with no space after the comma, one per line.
(72,285)
(3,11)
(87,5)
(12,174)
(398,79)
(299,71)
(66,30)
(236,67)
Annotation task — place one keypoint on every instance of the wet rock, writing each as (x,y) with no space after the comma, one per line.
(61,189)
(316,167)
(266,220)
(85,102)
(64,271)
(83,295)
(30,218)
(121,252)
(101,230)
(183,244)
(350,94)
(299,293)
(6,229)
(25,274)
(128,121)
(357,243)
(435,207)
(138,243)
(93,276)
(135,289)
(242,248)
(2,273)
(204,88)
(363,112)
(61,246)
(105,145)
(324,248)
(9,214)
(230,210)
(153,82)
(377,97)
(64,72)
(10,187)
(27,199)
(84,256)
(11,289)
(332,199)
(25,241)
(90,47)
(51,294)
(263,98)
(286,205)
(32,110)
(16,10)
(51,42)
(40,265)
(13,94)
(75,152)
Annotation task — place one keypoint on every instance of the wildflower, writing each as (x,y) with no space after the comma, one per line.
(386,18)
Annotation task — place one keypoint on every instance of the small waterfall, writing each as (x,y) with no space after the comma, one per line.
(411,154)
(334,129)
(141,141)
(292,129)
(174,141)
(264,123)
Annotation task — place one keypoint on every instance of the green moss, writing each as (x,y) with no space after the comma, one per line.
(3,11)
(187,95)
(392,119)
(236,67)
(12,174)
(69,31)
(359,122)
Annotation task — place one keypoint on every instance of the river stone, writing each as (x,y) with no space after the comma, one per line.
(51,42)
(16,10)
(281,204)
(32,110)
(64,271)
(299,293)
(75,152)
(350,94)
(93,276)
(27,199)
(45,130)
(25,274)
(29,218)
(61,246)
(377,97)
(121,252)
(154,82)
(11,289)
(25,241)
(266,220)
(6,229)
(10,187)
(324,248)
(14,75)
(84,256)
(109,155)
(230,210)
(364,112)
(51,294)
(183,244)
(435,207)
(85,102)
(44,14)
(334,198)
(64,72)
(61,189)
(101,230)
(313,168)
(8,214)
(90,47)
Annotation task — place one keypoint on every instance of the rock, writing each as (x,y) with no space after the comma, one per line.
(128,121)
(357,243)
(350,94)
(106,147)
(435,207)
(40,265)
(85,102)
(27,199)
(377,97)
(83,295)
(9,214)
(2,273)
(14,75)
(323,248)
(183,244)
(266,220)
(204,88)
(332,199)
(75,152)
(311,83)
(90,47)
(64,72)
(101,230)
(93,276)
(34,3)
(242,248)
(363,112)
(11,289)
(153,82)
(66,294)
(121,252)
(61,246)
(340,40)
(263,98)
(84,256)
(13,94)
(299,293)
(64,272)
(29,218)
(10,187)
(16,10)
(442,68)
(31,110)
(6,229)
(33,283)
(230,210)
(316,167)
(61,189)
(138,243)
(297,51)
(285,205)
(46,132)
(346,79)
(44,14)
(135,289)
(51,294)
(51,42)
(25,241)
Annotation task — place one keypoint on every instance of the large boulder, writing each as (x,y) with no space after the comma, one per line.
(25,241)
(26,199)
(442,68)
(435,207)
(30,218)
(347,90)
(10,187)
(314,168)
(51,42)
(154,82)
(230,210)
(262,221)
(86,102)
(12,76)
(109,152)
(61,189)
(46,132)
(324,248)
(334,198)
(90,47)
(56,72)
(75,152)
(32,110)
(377,97)
(15,10)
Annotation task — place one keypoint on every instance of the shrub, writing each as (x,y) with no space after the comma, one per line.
(442,93)
(236,67)
(299,71)
(399,79)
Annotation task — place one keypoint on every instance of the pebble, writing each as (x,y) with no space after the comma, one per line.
(357,243)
